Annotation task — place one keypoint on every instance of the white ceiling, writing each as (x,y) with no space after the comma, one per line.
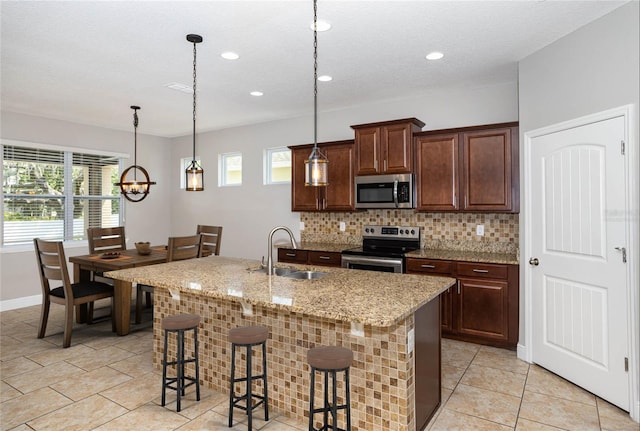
(88,61)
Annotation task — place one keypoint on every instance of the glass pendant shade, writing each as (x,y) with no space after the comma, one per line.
(316,169)
(194,177)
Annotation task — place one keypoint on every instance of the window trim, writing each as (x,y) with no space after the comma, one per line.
(67,152)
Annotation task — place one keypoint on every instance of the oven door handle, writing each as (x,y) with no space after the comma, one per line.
(395,192)
(371,260)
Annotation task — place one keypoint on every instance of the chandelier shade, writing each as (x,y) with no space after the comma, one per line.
(135,187)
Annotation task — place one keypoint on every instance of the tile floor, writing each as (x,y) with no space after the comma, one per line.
(104,382)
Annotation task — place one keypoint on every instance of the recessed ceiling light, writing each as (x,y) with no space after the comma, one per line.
(435,55)
(179,87)
(321,25)
(324,78)
(229,55)
(256,93)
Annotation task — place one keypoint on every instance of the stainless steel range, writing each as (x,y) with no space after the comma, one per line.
(383,248)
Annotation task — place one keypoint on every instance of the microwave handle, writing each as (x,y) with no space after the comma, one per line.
(395,192)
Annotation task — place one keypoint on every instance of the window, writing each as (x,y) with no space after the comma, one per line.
(230,169)
(277,165)
(57,195)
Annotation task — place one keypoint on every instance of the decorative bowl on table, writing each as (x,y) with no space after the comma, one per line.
(143,247)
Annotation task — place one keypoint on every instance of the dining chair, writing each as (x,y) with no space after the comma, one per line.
(178,248)
(52,266)
(212,237)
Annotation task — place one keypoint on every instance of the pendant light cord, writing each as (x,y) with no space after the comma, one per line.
(135,142)
(194,101)
(315,74)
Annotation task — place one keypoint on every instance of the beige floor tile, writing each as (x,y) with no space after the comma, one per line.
(44,376)
(501,359)
(545,382)
(135,392)
(99,358)
(57,353)
(449,420)
(276,425)
(190,407)
(451,376)
(209,421)
(482,403)
(493,379)
(614,419)
(25,348)
(83,415)
(135,366)
(30,406)
(455,355)
(17,366)
(90,383)
(565,414)
(527,425)
(149,417)
(136,344)
(8,392)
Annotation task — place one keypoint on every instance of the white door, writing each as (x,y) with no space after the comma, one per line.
(579,307)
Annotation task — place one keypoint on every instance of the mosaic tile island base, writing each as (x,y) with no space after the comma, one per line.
(389,321)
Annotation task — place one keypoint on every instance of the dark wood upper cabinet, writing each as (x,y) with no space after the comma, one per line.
(471,169)
(385,148)
(338,195)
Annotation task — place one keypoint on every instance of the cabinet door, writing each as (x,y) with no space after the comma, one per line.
(339,194)
(303,198)
(367,150)
(437,172)
(395,149)
(445,268)
(487,170)
(482,309)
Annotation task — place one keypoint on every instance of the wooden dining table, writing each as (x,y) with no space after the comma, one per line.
(86,265)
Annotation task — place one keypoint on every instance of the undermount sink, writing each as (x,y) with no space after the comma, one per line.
(284,272)
(304,275)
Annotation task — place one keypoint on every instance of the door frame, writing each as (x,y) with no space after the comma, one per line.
(632,178)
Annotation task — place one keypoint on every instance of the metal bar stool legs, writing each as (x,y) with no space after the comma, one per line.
(179,324)
(248,336)
(330,361)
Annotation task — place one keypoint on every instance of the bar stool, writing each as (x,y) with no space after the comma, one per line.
(248,336)
(330,360)
(179,324)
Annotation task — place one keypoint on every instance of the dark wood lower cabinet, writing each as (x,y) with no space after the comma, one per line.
(310,257)
(483,305)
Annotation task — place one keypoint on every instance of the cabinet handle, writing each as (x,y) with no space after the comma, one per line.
(291,254)
(375,164)
(458,287)
(481,271)
(324,257)
(385,165)
(427,266)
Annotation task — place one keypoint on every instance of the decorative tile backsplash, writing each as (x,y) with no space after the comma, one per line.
(449,231)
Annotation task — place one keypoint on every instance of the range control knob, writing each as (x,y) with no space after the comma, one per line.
(413,232)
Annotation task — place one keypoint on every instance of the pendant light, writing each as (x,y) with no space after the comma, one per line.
(194,173)
(134,190)
(316,167)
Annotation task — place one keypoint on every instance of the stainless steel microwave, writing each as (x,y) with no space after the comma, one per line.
(384,191)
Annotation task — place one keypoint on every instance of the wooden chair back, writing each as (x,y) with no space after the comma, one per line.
(211,239)
(105,239)
(184,247)
(52,265)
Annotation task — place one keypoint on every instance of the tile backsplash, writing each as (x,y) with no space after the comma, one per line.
(449,231)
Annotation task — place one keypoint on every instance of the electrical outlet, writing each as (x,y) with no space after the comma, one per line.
(480,230)
(411,341)
(343,226)
(301,225)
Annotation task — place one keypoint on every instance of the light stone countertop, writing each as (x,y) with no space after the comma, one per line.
(368,297)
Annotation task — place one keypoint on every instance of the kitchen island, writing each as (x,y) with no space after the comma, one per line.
(390,322)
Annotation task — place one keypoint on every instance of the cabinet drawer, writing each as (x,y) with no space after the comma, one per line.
(482,270)
(430,266)
(292,255)
(325,258)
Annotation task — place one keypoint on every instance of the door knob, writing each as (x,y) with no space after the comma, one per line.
(534,261)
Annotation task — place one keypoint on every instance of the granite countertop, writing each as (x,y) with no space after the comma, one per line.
(457,255)
(465,256)
(367,297)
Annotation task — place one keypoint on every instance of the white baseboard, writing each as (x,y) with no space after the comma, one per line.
(27,301)
(522,353)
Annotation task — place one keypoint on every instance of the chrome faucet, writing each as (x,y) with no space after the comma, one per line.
(270,245)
